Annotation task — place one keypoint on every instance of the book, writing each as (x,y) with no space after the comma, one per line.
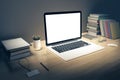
(92,30)
(19,56)
(93,21)
(92,18)
(89,36)
(102,28)
(15,44)
(16,48)
(92,33)
(98,15)
(106,28)
(97,28)
(115,29)
(110,28)
(92,24)
(19,52)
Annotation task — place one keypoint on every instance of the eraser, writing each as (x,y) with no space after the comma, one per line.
(33,73)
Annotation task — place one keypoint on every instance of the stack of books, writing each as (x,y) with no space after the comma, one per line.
(16,48)
(93,25)
(110,28)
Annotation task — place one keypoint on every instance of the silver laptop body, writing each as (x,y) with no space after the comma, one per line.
(63,29)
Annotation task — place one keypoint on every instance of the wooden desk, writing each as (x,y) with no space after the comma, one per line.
(95,65)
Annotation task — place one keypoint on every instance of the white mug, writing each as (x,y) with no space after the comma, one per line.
(37,44)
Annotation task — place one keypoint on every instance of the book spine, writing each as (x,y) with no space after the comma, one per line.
(20,56)
(109,31)
(19,52)
(102,27)
(98,15)
(93,21)
(94,15)
(114,27)
(92,30)
(92,33)
(91,27)
(18,49)
(105,27)
(92,24)
(92,18)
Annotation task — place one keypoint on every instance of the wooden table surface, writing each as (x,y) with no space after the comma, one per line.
(95,65)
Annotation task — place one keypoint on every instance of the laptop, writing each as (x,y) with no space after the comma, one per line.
(63,32)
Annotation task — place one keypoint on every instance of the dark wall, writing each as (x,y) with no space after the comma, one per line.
(24,18)
(111,7)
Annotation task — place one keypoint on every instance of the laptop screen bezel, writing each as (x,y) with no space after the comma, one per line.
(65,12)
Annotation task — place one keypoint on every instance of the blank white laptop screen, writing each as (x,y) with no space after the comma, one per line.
(62,26)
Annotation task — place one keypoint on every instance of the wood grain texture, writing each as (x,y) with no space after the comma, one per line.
(99,65)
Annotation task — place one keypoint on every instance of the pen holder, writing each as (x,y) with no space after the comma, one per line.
(36,42)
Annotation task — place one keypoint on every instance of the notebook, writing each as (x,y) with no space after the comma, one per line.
(63,32)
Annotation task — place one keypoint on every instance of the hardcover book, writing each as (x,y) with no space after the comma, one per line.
(14,44)
(16,48)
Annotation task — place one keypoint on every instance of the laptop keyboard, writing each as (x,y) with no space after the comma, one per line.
(70,46)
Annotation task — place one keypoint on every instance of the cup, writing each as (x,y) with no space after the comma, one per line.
(37,44)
